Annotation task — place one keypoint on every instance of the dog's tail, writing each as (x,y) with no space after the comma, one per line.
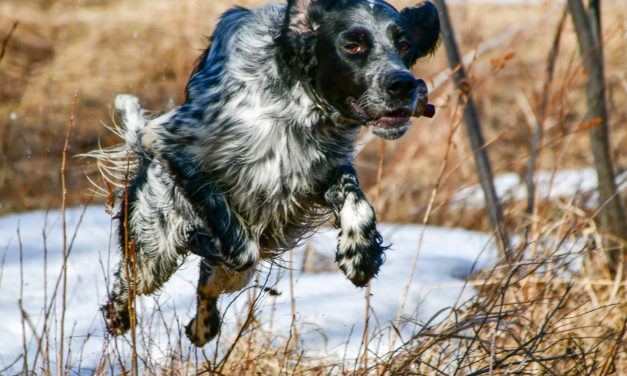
(118,163)
(133,118)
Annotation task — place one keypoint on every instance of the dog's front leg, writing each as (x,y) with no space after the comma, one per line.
(217,233)
(359,249)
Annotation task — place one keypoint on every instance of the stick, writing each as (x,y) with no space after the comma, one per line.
(537,136)
(473,127)
(64,250)
(5,41)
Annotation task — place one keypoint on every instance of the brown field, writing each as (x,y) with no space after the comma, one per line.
(147,48)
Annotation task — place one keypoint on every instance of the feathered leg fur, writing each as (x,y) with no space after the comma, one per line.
(359,250)
(160,225)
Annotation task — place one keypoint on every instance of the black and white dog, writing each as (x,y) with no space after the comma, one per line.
(260,153)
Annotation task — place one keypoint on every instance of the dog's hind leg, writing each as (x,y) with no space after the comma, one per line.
(144,276)
(152,250)
(147,274)
(213,281)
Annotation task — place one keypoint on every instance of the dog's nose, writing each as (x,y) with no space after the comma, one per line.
(401,84)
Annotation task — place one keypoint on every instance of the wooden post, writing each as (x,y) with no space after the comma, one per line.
(473,127)
(588,29)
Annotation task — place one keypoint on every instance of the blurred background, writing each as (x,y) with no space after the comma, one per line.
(147,48)
(556,305)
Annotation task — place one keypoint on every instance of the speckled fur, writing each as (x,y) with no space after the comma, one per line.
(253,161)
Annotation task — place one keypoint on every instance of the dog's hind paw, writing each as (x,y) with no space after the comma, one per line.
(203,328)
(117,318)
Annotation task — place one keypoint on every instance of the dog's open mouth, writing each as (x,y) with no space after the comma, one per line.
(389,125)
(393,119)
(392,124)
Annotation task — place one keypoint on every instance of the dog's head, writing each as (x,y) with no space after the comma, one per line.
(355,55)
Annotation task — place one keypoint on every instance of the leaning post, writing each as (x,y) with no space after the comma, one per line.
(473,127)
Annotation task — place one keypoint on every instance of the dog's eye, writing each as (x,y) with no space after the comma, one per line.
(404,45)
(353,48)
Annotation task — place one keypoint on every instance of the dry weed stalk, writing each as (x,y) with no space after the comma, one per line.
(6,39)
(368,286)
(131,273)
(60,366)
(427,215)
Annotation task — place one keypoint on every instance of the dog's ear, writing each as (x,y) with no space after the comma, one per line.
(297,16)
(424,23)
(296,40)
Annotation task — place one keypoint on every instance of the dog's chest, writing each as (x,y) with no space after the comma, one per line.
(277,181)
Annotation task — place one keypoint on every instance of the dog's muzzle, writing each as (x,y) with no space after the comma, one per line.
(393,124)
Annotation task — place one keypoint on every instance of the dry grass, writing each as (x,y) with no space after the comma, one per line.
(148,48)
(554,311)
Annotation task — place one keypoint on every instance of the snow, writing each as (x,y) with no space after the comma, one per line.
(329,309)
(550,185)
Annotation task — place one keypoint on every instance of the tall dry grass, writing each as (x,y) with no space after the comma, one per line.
(555,310)
(148,48)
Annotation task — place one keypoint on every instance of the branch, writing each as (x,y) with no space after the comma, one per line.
(5,41)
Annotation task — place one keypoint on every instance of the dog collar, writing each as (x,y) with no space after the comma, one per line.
(327,110)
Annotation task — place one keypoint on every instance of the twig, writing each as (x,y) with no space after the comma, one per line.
(64,250)
(10,365)
(131,276)
(44,332)
(537,136)
(377,201)
(425,219)
(55,290)
(609,362)
(292,302)
(249,319)
(5,41)
(24,347)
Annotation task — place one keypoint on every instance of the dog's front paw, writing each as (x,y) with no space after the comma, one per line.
(359,256)
(359,249)
(236,253)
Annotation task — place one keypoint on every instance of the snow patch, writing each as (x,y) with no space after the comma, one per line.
(329,309)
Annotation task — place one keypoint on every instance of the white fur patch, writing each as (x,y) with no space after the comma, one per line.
(355,214)
(133,116)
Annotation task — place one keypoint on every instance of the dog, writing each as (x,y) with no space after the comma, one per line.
(260,154)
